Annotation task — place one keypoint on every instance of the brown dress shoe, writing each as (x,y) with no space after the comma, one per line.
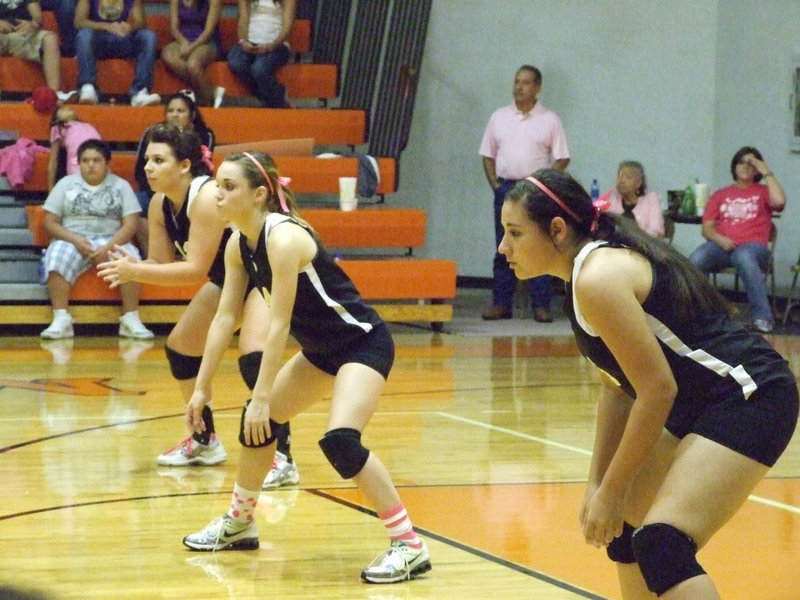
(542,315)
(496,313)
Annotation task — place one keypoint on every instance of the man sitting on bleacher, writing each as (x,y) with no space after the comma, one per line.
(86,215)
(114,29)
(21,35)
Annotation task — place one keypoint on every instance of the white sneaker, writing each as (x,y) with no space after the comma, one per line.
(88,94)
(282,473)
(143,98)
(65,97)
(190,452)
(60,328)
(398,563)
(223,533)
(219,96)
(131,327)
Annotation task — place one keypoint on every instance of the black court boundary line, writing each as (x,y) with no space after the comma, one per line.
(470,550)
(326,496)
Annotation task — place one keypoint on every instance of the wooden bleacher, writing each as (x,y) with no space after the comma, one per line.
(400,287)
(126,124)
(310,175)
(114,76)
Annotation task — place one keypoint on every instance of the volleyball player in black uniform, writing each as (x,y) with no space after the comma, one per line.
(694,409)
(187,245)
(346,354)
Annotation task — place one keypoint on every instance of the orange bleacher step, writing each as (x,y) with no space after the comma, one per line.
(309,175)
(230,125)
(115,75)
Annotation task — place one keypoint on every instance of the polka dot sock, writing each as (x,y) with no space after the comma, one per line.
(243,505)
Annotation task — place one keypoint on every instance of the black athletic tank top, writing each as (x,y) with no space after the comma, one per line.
(328,312)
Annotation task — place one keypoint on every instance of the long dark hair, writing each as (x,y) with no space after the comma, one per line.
(184,144)
(198,124)
(690,292)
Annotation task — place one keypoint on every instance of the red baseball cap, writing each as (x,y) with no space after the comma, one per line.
(44,99)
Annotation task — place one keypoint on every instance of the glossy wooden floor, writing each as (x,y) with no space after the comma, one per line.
(487,438)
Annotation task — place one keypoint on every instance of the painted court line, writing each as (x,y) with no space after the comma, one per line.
(533,438)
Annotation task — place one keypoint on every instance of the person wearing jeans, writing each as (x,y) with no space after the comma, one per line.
(263,28)
(114,29)
(737,222)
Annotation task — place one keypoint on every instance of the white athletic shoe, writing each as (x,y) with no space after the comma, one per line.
(143,98)
(219,96)
(282,473)
(190,452)
(60,328)
(88,94)
(398,563)
(223,533)
(130,326)
(65,97)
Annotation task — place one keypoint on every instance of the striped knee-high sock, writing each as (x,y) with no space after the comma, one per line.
(399,526)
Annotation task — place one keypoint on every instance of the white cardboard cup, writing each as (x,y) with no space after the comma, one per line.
(348,204)
(347,188)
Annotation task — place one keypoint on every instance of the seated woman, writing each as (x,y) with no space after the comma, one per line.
(263,28)
(181,111)
(86,215)
(630,198)
(194,25)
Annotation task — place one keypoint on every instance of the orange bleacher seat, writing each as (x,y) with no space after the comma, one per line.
(115,75)
(309,175)
(230,125)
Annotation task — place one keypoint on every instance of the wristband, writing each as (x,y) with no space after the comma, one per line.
(768,174)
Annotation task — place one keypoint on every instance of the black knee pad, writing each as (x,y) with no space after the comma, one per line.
(253,443)
(342,447)
(248,366)
(621,548)
(182,366)
(666,556)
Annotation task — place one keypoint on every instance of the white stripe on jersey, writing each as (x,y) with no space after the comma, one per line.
(316,282)
(701,357)
(667,336)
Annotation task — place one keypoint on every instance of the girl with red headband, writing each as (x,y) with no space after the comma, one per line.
(694,408)
(346,355)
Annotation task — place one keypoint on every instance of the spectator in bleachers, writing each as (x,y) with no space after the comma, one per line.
(631,198)
(67,133)
(21,35)
(181,111)
(263,28)
(64,11)
(194,25)
(114,29)
(86,215)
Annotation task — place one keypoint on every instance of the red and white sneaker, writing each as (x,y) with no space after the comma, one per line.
(189,452)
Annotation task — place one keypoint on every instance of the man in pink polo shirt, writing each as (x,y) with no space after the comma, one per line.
(520,138)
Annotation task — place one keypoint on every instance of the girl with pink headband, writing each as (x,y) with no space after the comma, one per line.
(187,238)
(346,355)
(694,409)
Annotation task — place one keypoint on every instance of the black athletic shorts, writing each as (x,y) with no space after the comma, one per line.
(376,350)
(759,427)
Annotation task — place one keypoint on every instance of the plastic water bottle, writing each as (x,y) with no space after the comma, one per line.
(42,271)
(595,191)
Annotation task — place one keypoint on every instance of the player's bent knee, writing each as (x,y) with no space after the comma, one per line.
(621,548)
(666,556)
(255,443)
(182,366)
(342,447)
